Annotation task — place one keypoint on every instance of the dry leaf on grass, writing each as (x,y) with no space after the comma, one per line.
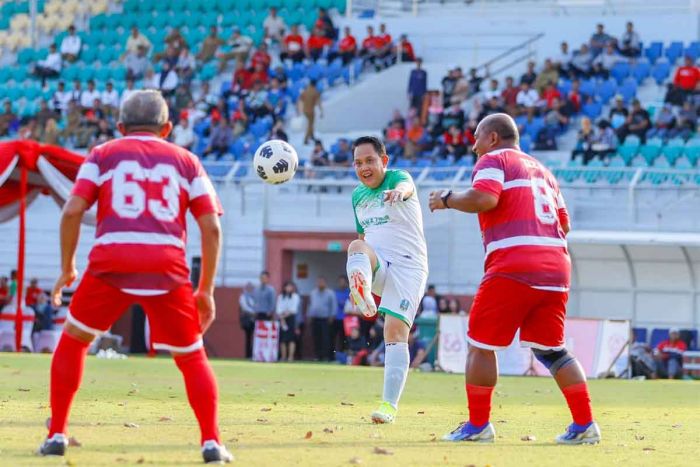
(131,425)
(328,430)
(383,451)
(350,404)
(141,460)
(639,437)
(74,442)
(501,421)
(649,449)
(165,419)
(528,438)
(23,389)
(308,435)
(420,412)
(355,460)
(266,409)
(262,420)
(677,425)
(120,460)
(232,440)
(291,394)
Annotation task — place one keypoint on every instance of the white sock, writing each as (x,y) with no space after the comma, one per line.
(396,361)
(361,262)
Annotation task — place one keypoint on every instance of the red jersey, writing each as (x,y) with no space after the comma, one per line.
(677,348)
(318,42)
(347,44)
(32,295)
(549,95)
(523,234)
(510,96)
(294,42)
(383,39)
(407,49)
(454,140)
(143,186)
(371,43)
(262,58)
(687,77)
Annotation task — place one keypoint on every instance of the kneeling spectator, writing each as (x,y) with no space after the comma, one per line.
(669,356)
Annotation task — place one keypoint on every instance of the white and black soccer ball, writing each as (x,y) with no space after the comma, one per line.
(275,161)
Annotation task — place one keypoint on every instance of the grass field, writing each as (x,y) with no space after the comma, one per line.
(268,411)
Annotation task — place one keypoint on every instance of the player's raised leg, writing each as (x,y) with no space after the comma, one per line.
(396,364)
(362,262)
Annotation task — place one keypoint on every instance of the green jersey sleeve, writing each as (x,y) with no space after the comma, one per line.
(358,226)
(395,177)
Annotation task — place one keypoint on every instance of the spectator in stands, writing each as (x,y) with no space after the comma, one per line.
(30,130)
(462,88)
(687,120)
(474,81)
(325,24)
(317,44)
(428,304)
(455,144)
(573,99)
(274,26)
(492,106)
(13,284)
(277,131)
(664,123)
(584,143)
(103,133)
(581,62)
(176,41)
(44,312)
(600,40)
(321,312)
(309,100)
(637,123)
(60,98)
(169,57)
(509,95)
(166,80)
(342,295)
(630,45)
(9,122)
(550,93)
(342,156)
(454,307)
(686,79)
(186,64)
(417,86)
(136,40)
(32,293)
(385,48)
(527,99)
(293,45)
(642,360)
(618,113)
(210,46)
(88,96)
(448,84)
(416,348)
(604,62)
(261,57)
(548,75)
(370,45)
(183,135)
(256,102)
(276,99)
(288,303)
(50,67)
(246,316)
(136,63)
(265,298)
(604,141)
(669,356)
(49,133)
(110,100)
(70,45)
(347,47)
(220,139)
(44,114)
(563,60)
(319,157)
(181,99)
(530,75)
(492,91)
(395,138)
(128,91)
(240,47)
(404,50)
(4,291)
(415,137)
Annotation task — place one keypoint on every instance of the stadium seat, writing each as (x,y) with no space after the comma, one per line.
(660,72)
(674,51)
(653,51)
(657,336)
(592,110)
(605,90)
(620,71)
(651,150)
(628,90)
(587,87)
(693,50)
(641,71)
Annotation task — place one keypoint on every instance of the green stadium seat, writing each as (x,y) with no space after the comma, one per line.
(208,71)
(179,19)
(274,3)
(130,20)
(70,72)
(295,17)
(25,56)
(58,38)
(340,5)
(112,22)
(672,151)
(89,54)
(209,19)
(132,6)
(292,4)
(86,73)
(98,22)
(18,73)
(13,93)
(202,6)
(324,3)
(161,21)
(144,21)
(258,18)
(651,150)
(118,73)
(102,74)
(159,7)
(4,74)
(308,5)
(32,92)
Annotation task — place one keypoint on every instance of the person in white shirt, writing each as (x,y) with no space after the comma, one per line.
(240,47)
(287,309)
(183,135)
(50,67)
(608,58)
(110,99)
(136,40)
(563,59)
(76,91)
(87,97)
(630,45)
(128,91)
(275,26)
(150,80)
(61,98)
(492,92)
(167,80)
(186,64)
(527,98)
(70,46)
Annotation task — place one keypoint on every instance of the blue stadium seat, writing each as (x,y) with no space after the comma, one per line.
(564,86)
(587,87)
(641,71)
(693,50)
(690,337)
(628,90)
(660,72)
(657,335)
(640,334)
(653,51)
(620,71)
(605,90)
(592,110)
(674,51)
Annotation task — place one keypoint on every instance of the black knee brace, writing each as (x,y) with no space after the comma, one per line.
(554,360)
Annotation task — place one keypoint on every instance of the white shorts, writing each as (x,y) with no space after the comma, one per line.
(401,289)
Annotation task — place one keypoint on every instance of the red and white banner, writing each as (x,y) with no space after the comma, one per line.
(595,343)
(266,341)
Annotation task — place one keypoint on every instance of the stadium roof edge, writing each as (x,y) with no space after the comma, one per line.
(634,238)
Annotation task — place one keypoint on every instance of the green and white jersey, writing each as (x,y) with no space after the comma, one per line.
(396,232)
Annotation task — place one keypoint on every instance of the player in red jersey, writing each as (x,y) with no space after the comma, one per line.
(143,187)
(524,223)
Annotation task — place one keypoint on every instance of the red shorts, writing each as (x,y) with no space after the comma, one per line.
(502,306)
(172,317)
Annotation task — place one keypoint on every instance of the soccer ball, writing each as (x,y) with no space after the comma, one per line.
(275,161)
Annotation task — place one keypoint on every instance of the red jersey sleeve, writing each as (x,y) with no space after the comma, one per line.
(561,208)
(87,182)
(489,174)
(203,197)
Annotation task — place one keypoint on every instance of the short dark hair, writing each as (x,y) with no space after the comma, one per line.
(264,273)
(376,143)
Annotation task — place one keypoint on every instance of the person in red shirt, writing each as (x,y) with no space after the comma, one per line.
(687,76)
(405,49)
(669,356)
(316,44)
(241,78)
(510,95)
(261,57)
(455,143)
(574,97)
(383,48)
(259,74)
(368,51)
(524,223)
(293,46)
(347,48)
(4,291)
(551,93)
(32,293)
(143,187)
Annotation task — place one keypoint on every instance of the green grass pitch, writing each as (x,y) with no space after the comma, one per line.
(311,414)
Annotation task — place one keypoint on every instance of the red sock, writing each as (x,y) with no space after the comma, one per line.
(479,401)
(579,402)
(66,373)
(202,391)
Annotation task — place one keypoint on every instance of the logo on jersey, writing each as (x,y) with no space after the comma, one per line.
(404,305)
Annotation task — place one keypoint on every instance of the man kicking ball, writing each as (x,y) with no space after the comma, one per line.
(524,223)
(389,259)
